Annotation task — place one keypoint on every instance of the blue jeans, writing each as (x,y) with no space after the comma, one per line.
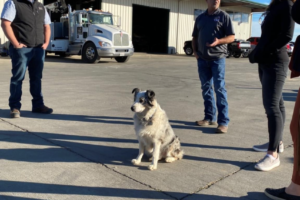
(21,58)
(213,73)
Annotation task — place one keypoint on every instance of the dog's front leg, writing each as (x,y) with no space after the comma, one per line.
(156,152)
(140,155)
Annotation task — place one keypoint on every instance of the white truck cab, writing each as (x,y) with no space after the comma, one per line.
(91,34)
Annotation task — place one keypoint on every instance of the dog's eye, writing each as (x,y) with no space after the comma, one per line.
(141,100)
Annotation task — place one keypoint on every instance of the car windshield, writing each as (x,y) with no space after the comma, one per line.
(100,19)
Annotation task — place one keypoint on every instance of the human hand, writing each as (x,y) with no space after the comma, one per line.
(45,45)
(19,46)
(196,55)
(215,43)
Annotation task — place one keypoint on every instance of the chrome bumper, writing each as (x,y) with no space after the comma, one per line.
(115,52)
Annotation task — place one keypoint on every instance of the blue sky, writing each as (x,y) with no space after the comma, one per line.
(256,31)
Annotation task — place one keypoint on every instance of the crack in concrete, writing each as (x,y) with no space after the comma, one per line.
(124,175)
(91,160)
(224,177)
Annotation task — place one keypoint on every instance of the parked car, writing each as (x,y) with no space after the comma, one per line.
(255,40)
(236,49)
(188,48)
(239,48)
(289,49)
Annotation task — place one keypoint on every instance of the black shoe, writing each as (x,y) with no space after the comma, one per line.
(279,194)
(15,113)
(43,110)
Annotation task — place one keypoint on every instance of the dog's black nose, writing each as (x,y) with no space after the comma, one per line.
(132,108)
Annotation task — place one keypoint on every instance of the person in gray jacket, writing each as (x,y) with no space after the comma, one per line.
(26,25)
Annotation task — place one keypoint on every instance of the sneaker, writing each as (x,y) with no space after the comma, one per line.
(222,129)
(279,194)
(15,113)
(43,110)
(264,147)
(205,123)
(267,163)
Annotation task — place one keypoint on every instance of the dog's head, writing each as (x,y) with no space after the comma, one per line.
(142,100)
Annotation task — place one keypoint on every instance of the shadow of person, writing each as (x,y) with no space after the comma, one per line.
(59,189)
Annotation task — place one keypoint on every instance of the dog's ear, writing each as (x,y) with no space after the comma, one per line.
(135,91)
(150,96)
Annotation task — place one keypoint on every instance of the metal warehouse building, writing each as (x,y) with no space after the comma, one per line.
(162,26)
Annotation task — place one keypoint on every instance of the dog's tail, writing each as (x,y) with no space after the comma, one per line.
(178,152)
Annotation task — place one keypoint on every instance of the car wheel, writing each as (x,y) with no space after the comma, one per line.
(122,59)
(89,53)
(237,55)
(189,51)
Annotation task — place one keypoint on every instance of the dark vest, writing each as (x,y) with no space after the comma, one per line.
(28,25)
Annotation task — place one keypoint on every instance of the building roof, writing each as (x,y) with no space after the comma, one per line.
(255,7)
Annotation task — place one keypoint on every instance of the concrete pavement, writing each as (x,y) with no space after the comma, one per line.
(84,149)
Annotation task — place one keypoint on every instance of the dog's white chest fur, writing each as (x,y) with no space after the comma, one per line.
(153,130)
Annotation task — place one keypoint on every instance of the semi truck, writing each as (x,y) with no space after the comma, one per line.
(92,34)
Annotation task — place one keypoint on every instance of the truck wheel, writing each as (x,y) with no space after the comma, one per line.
(189,51)
(237,55)
(122,59)
(89,53)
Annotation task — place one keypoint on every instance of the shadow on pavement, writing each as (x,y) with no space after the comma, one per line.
(176,124)
(42,188)
(71,59)
(99,153)
(5,197)
(287,96)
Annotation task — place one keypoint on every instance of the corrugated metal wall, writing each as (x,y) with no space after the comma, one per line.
(177,35)
(242,30)
(124,9)
(3,39)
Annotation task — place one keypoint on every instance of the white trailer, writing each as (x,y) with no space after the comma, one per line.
(93,34)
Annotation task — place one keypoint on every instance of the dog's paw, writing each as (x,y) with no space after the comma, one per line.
(150,159)
(135,162)
(152,167)
(170,159)
(145,119)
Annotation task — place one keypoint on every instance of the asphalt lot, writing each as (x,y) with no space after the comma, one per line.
(83,150)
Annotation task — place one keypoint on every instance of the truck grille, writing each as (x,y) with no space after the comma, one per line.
(121,41)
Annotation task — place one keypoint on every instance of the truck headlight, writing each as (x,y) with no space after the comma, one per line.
(104,44)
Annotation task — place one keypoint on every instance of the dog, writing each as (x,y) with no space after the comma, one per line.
(153,130)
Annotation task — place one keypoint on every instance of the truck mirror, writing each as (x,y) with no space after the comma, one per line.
(116,20)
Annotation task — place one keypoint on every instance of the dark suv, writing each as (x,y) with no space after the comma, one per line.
(188,48)
(236,48)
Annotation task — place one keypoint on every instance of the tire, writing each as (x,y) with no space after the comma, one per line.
(89,53)
(245,54)
(237,55)
(189,51)
(122,59)
(229,54)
